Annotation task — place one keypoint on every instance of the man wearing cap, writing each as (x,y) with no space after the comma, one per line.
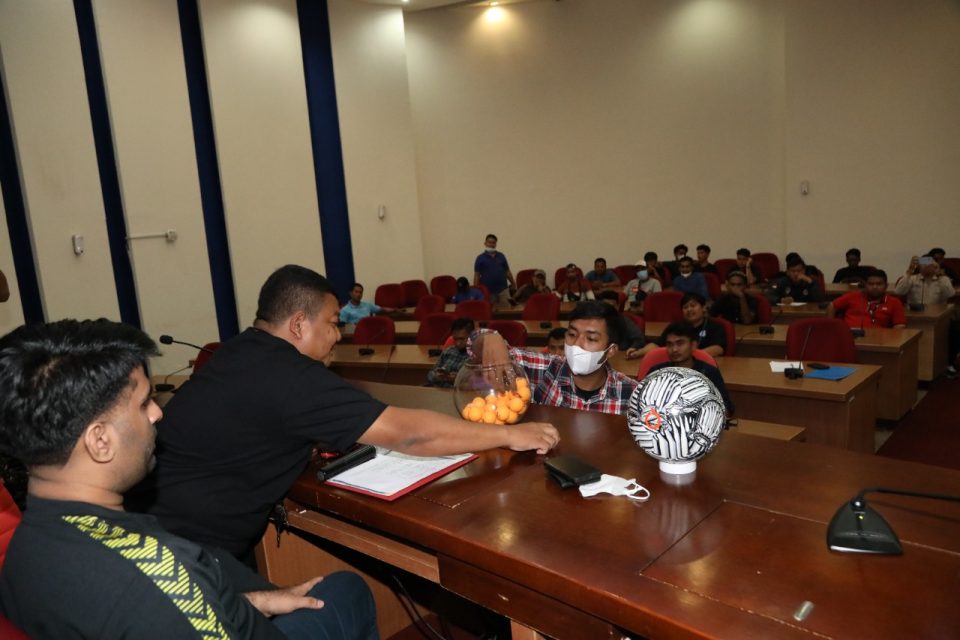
(537,285)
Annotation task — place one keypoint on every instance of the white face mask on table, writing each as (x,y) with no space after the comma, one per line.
(616,486)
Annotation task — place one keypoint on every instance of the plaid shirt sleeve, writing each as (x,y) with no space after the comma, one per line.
(451,360)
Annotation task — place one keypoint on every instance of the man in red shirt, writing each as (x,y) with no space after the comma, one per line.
(870,307)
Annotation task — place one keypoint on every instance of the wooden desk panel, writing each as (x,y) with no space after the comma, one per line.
(684,564)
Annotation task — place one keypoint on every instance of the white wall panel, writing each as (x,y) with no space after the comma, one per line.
(144,74)
(47,94)
(259,104)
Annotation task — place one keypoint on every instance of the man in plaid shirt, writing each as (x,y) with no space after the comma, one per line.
(579,379)
(451,360)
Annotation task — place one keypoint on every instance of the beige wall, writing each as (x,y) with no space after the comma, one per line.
(583,128)
(47,96)
(376,131)
(259,104)
(153,136)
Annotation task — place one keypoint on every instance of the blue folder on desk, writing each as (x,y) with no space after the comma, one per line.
(831,373)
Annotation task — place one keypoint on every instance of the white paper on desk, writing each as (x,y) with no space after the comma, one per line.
(791,304)
(392,471)
(779,367)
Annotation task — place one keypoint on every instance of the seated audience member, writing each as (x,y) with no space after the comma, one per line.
(580,379)
(680,339)
(679,252)
(632,339)
(537,285)
(938,255)
(644,282)
(556,339)
(243,428)
(75,407)
(808,269)
(871,306)
(466,292)
(797,285)
(745,265)
(356,309)
(853,273)
(736,305)
(703,264)
(654,267)
(575,288)
(923,283)
(602,278)
(448,366)
(689,281)
(711,337)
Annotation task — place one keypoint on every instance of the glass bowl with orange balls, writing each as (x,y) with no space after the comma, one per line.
(492,394)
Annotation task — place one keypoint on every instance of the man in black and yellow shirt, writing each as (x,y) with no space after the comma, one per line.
(75,407)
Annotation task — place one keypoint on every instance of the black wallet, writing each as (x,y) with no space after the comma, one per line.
(338,463)
(571,471)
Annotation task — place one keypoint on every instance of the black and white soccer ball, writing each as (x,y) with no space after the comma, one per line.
(676,415)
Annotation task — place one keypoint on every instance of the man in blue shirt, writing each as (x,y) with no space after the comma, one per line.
(601,277)
(492,271)
(356,309)
(688,281)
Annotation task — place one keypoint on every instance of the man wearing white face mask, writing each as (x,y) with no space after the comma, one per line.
(689,281)
(492,271)
(579,379)
(645,282)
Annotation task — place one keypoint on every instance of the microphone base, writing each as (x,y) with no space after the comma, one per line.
(793,373)
(366,351)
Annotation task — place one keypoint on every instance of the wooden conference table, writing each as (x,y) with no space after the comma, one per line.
(733,554)
(840,414)
(933,322)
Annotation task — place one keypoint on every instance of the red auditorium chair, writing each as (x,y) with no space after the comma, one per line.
(541,306)
(413,290)
(390,296)
(524,276)
(560,275)
(764,312)
(478,310)
(725,266)
(713,285)
(205,354)
(637,320)
(626,272)
(375,330)
(434,329)
(659,355)
(663,306)
(768,263)
(445,286)
(429,304)
(512,331)
(827,339)
(730,347)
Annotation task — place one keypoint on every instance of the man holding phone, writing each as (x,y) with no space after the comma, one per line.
(923,283)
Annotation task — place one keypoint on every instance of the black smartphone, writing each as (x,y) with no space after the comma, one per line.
(571,471)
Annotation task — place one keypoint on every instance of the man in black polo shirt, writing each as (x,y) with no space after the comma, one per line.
(238,434)
(711,337)
(736,305)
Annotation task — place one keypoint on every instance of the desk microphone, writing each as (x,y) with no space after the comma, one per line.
(165,339)
(386,367)
(165,386)
(794,373)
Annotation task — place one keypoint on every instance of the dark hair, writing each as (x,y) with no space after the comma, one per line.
(794,261)
(557,333)
(462,323)
(685,259)
(737,274)
(694,297)
(463,284)
(703,247)
(603,260)
(743,251)
(491,236)
(683,329)
(289,289)
(596,310)
(355,285)
(790,256)
(56,378)
(649,255)
(609,294)
(936,250)
(679,247)
(877,273)
(571,265)
(852,252)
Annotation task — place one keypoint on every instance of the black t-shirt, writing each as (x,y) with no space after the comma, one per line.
(727,307)
(61,579)
(235,437)
(844,273)
(709,334)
